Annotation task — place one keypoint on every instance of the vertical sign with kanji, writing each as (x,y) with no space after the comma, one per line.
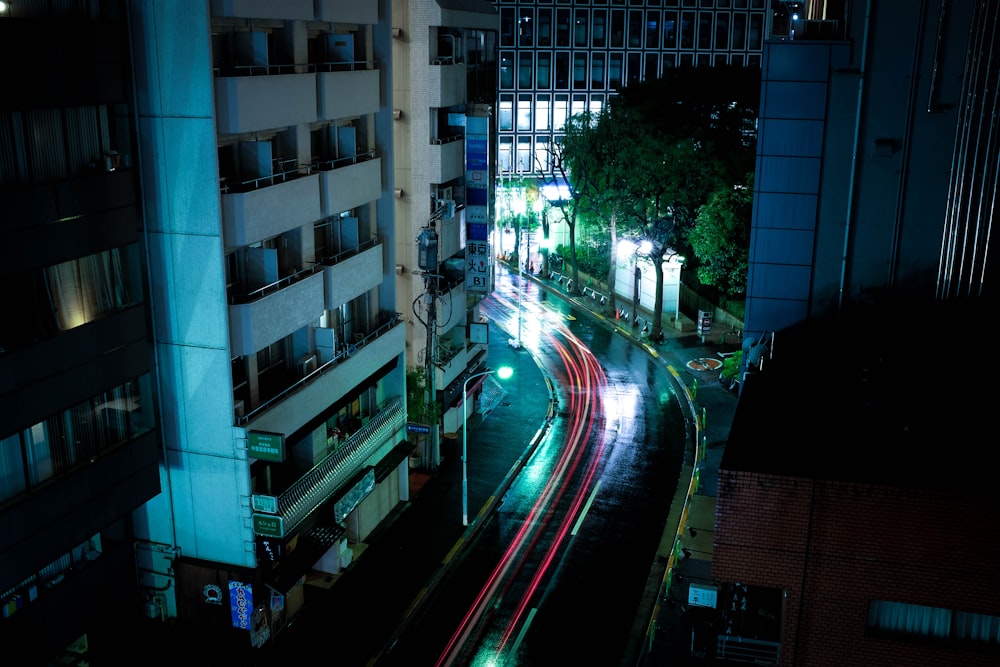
(478,260)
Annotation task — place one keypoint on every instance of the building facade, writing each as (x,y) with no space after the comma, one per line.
(280,350)
(79,430)
(444,105)
(876,175)
(560,58)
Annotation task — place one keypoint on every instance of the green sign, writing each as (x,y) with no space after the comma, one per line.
(266,446)
(269,525)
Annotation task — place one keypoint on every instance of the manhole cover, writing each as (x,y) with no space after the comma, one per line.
(704,364)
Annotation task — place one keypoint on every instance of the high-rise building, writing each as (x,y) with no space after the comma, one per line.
(843,534)
(80,443)
(559,58)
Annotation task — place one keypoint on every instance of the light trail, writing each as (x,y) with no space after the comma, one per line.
(579,458)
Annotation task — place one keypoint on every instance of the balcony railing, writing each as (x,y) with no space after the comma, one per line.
(261,292)
(385,321)
(336,258)
(362,155)
(295,68)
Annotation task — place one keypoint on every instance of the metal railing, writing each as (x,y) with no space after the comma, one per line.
(385,321)
(742,649)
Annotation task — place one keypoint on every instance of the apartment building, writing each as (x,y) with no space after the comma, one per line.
(876,176)
(204,375)
(267,133)
(444,58)
(79,438)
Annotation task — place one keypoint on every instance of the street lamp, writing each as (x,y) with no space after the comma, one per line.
(503,373)
(680,265)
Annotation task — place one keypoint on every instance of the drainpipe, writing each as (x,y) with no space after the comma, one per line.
(854,159)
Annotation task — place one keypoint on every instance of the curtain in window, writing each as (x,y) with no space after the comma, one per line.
(977,627)
(909,619)
(12,480)
(45,145)
(82,289)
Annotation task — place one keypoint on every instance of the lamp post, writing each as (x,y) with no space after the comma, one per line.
(503,373)
(680,265)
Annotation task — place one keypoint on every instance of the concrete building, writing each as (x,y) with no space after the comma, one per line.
(205,397)
(841,536)
(444,149)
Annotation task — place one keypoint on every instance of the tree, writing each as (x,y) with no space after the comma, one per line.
(601,153)
(569,208)
(721,238)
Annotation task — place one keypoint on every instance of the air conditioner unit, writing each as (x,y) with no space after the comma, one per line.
(239,408)
(309,364)
(442,194)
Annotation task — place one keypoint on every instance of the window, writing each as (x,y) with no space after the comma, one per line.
(633,67)
(562,70)
(579,71)
(722,30)
(543,71)
(12,480)
(542,153)
(597,72)
(670,30)
(615,71)
(524,161)
(505,152)
(653,29)
(505,119)
(524,113)
(617,28)
(596,104)
(560,112)
(544,27)
(542,111)
(599,28)
(652,67)
(526,28)
(580,28)
(579,105)
(563,18)
(921,622)
(739,32)
(524,69)
(687,30)
(506,70)
(635,29)
(508,20)
(756,34)
(704,30)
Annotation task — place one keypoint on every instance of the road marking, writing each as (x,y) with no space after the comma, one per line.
(586,508)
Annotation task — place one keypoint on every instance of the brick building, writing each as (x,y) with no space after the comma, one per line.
(855,505)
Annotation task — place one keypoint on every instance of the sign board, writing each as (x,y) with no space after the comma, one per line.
(413,427)
(268,525)
(267,504)
(700,595)
(704,322)
(479,332)
(266,446)
(241,604)
(477,266)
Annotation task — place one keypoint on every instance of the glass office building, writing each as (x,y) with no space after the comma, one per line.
(559,58)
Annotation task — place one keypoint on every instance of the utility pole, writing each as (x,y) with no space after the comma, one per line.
(427,258)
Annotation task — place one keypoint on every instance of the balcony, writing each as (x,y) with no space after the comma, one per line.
(446,84)
(246,103)
(264,9)
(288,411)
(347,11)
(446,159)
(347,93)
(249,217)
(275,311)
(349,182)
(352,273)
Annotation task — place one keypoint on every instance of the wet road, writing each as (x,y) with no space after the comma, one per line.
(557,573)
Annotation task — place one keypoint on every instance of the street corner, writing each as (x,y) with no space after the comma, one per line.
(704,364)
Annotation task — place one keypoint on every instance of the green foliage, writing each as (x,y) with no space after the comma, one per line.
(720,239)
(731,365)
(418,410)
